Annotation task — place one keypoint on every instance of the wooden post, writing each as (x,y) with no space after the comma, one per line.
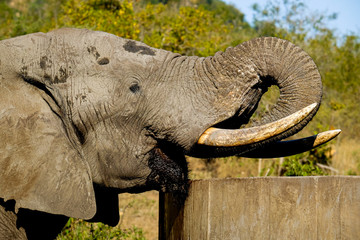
(265,208)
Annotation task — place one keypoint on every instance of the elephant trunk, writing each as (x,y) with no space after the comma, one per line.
(256,65)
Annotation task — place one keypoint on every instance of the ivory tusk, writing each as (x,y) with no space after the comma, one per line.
(238,137)
(287,148)
(324,137)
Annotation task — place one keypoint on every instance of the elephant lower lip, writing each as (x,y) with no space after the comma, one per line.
(169,171)
(272,150)
(292,147)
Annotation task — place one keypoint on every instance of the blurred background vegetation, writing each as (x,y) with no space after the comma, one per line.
(203,27)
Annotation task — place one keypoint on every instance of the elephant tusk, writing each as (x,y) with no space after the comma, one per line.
(238,137)
(287,148)
(324,137)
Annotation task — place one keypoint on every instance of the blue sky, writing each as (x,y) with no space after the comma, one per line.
(348,12)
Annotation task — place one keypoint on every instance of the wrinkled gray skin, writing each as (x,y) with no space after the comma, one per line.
(86,115)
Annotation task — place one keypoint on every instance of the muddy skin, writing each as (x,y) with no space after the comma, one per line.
(169,172)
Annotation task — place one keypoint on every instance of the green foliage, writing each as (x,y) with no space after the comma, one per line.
(295,167)
(312,163)
(307,164)
(190,31)
(27,16)
(228,13)
(7,14)
(78,229)
(105,15)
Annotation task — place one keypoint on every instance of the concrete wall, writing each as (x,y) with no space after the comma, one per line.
(265,208)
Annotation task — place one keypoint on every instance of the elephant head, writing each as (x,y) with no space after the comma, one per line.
(83,110)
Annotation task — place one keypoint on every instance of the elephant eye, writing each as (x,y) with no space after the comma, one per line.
(134,88)
(103,61)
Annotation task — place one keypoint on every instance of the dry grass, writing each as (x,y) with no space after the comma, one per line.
(346,157)
(140,210)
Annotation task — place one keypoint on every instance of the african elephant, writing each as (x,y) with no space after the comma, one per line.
(86,115)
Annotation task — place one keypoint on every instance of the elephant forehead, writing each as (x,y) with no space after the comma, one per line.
(137,47)
(97,52)
(101,44)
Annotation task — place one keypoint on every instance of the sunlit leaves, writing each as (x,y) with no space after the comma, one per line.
(187,30)
(111,16)
(27,16)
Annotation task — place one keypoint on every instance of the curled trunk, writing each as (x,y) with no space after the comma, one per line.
(279,62)
(256,65)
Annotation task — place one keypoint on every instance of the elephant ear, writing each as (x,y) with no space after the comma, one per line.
(41,168)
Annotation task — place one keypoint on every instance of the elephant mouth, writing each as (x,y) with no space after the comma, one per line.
(245,141)
(169,171)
